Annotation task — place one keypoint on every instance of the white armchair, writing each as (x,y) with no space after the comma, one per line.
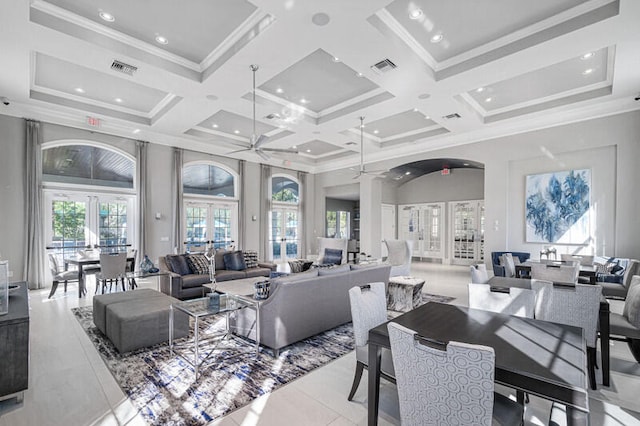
(332,243)
(400,253)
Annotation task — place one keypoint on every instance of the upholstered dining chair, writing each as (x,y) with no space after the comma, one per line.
(511,301)
(400,253)
(627,326)
(368,310)
(479,273)
(112,268)
(577,305)
(447,383)
(59,275)
(332,244)
(564,274)
(582,259)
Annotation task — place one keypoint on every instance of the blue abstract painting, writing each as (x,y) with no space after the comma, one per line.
(557,207)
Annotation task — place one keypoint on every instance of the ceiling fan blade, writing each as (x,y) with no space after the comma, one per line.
(262,139)
(286,150)
(239,150)
(263,154)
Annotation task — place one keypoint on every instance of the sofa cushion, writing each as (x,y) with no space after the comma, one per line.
(358,266)
(178,264)
(198,264)
(341,269)
(227,274)
(195,280)
(218,259)
(257,272)
(632,303)
(250,258)
(332,256)
(234,261)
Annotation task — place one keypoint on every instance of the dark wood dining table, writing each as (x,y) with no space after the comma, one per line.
(82,261)
(588,271)
(603,322)
(542,358)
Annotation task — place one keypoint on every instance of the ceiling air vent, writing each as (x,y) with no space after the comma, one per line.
(383,66)
(123,68)
(453,116)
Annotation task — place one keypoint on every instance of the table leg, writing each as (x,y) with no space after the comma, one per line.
(171,330)
(604,343)
(195,361)
(257,328)
(81,287)
(375,355)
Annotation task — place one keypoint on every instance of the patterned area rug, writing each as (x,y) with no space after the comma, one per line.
(162,387)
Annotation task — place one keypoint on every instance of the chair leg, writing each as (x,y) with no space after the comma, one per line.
(122,279)
(54,287)
(634,345)
(591,361)
(356,380)
(65,285)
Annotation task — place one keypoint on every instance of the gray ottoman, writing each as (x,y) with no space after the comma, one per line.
(139,323)
(404,293)
(100,303)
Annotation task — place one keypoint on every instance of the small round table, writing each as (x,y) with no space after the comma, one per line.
(404,293)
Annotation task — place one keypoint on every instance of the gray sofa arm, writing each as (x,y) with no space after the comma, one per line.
(269,265)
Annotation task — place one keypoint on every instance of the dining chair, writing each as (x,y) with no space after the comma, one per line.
(447,383)
(112,268)
(399,256)
(368,310)
(565,274)
(131,266)
(577,305)
(59,275)
(511,301)
(479,273)
(626,326)
(582,259)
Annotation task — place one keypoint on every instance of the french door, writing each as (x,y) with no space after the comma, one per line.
(210,223)
(76,220)
(467,231)
(283,238)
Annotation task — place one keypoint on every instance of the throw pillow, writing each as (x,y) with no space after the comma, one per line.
(251,258)
(198,263)
(178,264)
(617,270)
(509,266)
(332,256)
(234,261)
(479,274)
(219,258)
(632,303)
(296,266)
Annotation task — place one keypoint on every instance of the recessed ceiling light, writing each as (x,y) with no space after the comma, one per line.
(162,40)
(320,19)
(118,100)
(437,38)
(407,173)
(237,132)
(415,14)
(375,132)
(587,71)
(106,16)
(308,150)
(465,164)
(480,89)
(426,117)
(415,110)
(359,74)
(279,90)
(336,59)
(294,147)
(586,56)
(304,101)
(214,125)
(79,89)
(136,131)
(488,99)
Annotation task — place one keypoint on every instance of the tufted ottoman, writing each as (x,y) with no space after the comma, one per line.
(137,319)
(404,293)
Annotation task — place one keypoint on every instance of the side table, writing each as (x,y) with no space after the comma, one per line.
(404,293)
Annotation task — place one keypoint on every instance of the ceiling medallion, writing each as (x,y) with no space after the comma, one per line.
(320,19)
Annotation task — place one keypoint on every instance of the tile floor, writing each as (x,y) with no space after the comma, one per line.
(70,385)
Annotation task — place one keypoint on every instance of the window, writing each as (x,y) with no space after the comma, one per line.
(284,189)
(338,224)
(211,210)
(283,233)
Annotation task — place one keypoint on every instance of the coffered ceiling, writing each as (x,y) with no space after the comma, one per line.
(425,74)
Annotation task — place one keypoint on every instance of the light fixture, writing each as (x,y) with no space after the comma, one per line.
(336,59)
(237,132)
(136,131)
(118,100)
(79,89)
(407,173)
(437,38)
(106,16)
(480,89)
(308,150)
(465,164)
(415,14)
(586,56)
(426,117)
(304,101)
(587,71)
(415,110)
(279,90)
(294,147)
(375,132)
(214,125)
(162,40)
(359,74)
(488,100)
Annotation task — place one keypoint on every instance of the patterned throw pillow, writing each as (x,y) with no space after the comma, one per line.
(198,264)
(295,266)
(250,258)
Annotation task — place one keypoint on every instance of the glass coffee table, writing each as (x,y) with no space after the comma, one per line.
(201,308)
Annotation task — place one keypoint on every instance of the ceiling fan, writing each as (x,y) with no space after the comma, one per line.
(362,170)
(257,141)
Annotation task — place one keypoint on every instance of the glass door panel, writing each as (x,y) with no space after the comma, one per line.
(210,224)
(196,228)
(284,234)
(68,226)
(112,225)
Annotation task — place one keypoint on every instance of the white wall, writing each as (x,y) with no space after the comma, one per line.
(461,184)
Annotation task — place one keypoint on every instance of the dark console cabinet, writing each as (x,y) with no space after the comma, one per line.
(14,345)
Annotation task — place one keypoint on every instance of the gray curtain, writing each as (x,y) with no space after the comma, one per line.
(176,199)
(34,247)
(265,210)
(302,208)
(242,207)
(141,170)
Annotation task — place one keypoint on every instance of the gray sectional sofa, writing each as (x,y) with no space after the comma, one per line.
(304,304)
